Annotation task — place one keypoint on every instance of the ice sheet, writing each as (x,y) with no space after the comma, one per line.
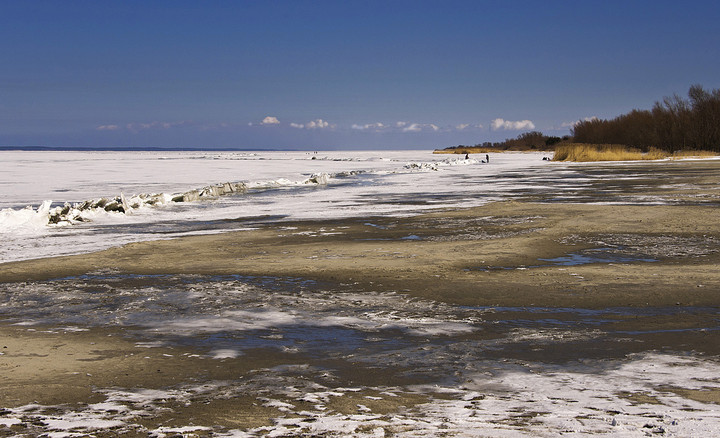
(69,186)
(58,203)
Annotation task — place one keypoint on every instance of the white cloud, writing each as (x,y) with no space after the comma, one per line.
(572,124)
(313,124)
(370,127)
(399,127)
(107,128)
(161,125)
(414,127)
(317,124)
(135,127)
(509,125)
(270,120)
(464,126)
(417,127)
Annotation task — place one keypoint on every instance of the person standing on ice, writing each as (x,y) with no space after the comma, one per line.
(487,158)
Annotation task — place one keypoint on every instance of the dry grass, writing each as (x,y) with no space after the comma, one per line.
(594,152)
(604,152)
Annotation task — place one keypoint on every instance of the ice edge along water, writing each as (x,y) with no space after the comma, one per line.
(72,213)
(277,186)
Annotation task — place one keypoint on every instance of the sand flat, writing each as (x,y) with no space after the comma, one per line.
(609,310)
(492,255)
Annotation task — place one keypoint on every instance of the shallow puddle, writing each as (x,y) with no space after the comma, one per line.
(597,255)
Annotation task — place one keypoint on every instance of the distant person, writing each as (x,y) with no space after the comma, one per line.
(467,156)
(487,158)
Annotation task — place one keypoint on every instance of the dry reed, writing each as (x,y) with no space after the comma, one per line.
(694,154)
(604,152)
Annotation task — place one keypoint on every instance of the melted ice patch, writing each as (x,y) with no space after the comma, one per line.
(270,318)
(234,314)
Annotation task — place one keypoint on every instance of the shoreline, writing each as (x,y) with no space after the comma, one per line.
(502,254)
(399,323)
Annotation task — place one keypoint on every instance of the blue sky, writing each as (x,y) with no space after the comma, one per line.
(339,74)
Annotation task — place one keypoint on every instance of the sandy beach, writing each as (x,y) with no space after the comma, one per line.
(508,258)
(498,255)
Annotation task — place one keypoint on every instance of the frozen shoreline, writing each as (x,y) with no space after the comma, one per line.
(96,200)
(107,199)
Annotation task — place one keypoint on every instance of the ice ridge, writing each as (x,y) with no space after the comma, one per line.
(72,213)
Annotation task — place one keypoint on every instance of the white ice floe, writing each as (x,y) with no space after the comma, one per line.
(225,353)
(164,431)
(27,220)
(7,422)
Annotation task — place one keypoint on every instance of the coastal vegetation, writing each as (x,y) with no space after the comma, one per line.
(619,152)
(675,127)
(672,125)
(604,152)
(527,141)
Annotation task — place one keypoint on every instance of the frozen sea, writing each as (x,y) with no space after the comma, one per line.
(477,366)
(280,185)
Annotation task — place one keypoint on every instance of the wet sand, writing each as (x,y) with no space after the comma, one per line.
(514,256)
(498,255)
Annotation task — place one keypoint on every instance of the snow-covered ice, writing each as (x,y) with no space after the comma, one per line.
(67,202)
(101,199)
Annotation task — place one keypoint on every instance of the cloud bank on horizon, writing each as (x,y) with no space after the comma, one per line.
(398,127)
(311,74)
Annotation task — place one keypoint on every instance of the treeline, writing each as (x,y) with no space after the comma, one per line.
(533,140)
(672,125)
